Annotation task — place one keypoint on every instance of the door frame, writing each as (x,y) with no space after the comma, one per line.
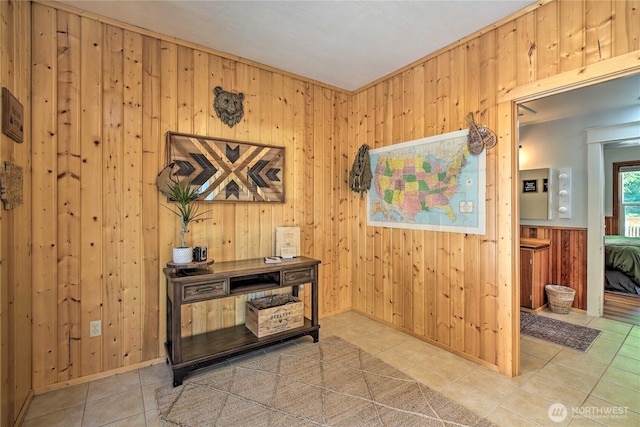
(507,102)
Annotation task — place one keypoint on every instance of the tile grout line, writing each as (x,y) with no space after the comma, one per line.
(550,360)
(600,378)
(84,404)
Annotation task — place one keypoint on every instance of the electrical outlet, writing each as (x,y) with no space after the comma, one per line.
(95,328)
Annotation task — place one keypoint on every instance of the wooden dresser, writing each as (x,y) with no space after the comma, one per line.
(534,272)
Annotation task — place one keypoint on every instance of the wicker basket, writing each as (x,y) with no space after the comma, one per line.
(560,298)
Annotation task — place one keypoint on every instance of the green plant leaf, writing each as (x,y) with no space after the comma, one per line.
(185,197)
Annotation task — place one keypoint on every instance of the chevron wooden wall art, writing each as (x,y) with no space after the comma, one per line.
(227,170)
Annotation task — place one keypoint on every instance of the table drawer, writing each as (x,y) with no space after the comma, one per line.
(204,290)
(293,277)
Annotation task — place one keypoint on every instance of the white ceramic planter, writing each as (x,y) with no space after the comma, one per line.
(182,255)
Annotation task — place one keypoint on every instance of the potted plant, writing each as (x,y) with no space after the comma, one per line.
(186,209)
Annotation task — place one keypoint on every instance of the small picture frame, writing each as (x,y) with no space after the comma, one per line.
(529,185)
(288,242)
(12,116)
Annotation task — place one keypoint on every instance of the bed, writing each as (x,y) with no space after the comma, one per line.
(622,264)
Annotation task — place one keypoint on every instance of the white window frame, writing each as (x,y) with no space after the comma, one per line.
(622,205)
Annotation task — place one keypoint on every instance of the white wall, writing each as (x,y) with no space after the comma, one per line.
(562,144)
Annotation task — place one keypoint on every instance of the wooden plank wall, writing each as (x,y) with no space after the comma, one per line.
(439,286)
(104,97)
(567,258)
(457,290)
(111,92)
(15,224)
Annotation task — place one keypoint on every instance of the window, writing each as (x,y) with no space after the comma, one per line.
(630,200)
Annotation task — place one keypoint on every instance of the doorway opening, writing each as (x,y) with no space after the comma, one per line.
(508,103)
(621,300)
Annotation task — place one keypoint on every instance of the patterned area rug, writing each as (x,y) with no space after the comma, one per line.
(558,332)
(331,383)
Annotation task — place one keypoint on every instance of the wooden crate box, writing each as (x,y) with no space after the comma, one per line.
(270,315)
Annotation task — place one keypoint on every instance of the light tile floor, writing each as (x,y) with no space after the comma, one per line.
(600,387)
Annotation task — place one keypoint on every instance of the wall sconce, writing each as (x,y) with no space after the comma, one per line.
(564,193)
(522,157)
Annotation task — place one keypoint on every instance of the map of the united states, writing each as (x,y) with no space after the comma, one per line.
(433,183)
(416,184)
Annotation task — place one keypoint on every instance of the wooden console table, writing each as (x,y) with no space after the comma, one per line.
(228,279)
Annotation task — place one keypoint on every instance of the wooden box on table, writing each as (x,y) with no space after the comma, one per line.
(270,315)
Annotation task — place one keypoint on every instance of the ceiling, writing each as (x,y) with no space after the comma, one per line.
(619,93)
(345,44)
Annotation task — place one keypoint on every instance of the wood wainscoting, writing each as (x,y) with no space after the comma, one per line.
(567,257)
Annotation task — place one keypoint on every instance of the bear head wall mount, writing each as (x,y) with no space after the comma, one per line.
(228,106)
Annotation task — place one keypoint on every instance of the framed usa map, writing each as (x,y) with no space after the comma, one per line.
(227,171)
(431,183)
